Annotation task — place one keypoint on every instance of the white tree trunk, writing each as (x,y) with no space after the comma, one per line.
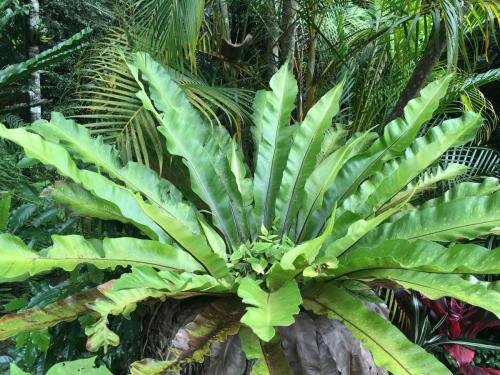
(225,18)
(34,87)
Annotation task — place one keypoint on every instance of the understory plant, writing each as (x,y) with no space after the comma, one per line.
(462,336)
(456,331)
(306,231)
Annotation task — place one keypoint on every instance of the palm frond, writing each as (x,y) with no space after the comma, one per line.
(397,314)
(108,104)
(169,29)
(465,94)
(481,161)
(481,18)
(451,11)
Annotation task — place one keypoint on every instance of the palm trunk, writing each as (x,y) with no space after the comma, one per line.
(225,19)
(272,52)
(289,27)
(311,71)
(422,70)
(34,87)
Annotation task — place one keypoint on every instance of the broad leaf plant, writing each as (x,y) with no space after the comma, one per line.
(314,224)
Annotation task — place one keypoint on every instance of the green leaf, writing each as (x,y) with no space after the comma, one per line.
(197,284)
(115,302)
(303,155)
(398,135)
(334,139)
(239,170)
(389,346)
(277,276)
(270,359)
(269,310)
(80,366)
(53,154)
(15,304)
(177,285)
(193,142)
(305,253)
(421,256)
(110,107)
(170,27)
(137,177)
(35,339)
(245,184)
(18,261)
(229,180)
(214,240)
(83,203)
(322,178)
(272,121)
(435,286)
(426,181)
(55,54)
(465,189)
(355,232)
(99,335)
(14,370)
(37,318)
(195,244)
(384,185)
(258,265)
(152,367)
(5,199)
(468,217)
(259,107)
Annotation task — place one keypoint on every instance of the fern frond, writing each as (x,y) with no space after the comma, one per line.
(109,106)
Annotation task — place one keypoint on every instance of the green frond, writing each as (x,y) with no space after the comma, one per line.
(169,29)
(322,222)
(109,107)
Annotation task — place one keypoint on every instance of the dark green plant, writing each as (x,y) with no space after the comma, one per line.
(35,217)
(316,228)
(13,73)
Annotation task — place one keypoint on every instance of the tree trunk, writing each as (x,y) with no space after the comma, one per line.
(225,19)
(422,70)
(311,71)
(272,52)
(34,87)
(289,27)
